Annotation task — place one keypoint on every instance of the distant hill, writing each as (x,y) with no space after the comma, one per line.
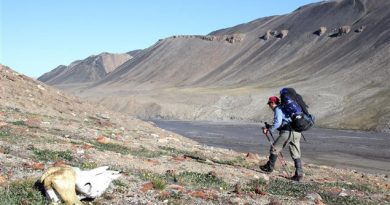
(90,69)
(335,53)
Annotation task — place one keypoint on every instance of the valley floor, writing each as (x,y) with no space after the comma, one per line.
(357,150)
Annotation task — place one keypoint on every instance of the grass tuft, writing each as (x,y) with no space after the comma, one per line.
(331,199)
(234,161)
(172,198)
(5,149)
(112,147)
(143,152)
(199,180)
(159,181)
(291,188)
(88,165)
(21,192)
(173,151)
(48,155)
(251,186)
(354,186)
(19,123)
(6,136)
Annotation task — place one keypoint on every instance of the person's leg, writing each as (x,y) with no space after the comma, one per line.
(295,151)
(274,151)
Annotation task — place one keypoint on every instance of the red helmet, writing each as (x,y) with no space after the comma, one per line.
(273,99)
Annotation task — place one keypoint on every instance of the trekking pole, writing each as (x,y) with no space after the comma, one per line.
(303,137)
(281,158)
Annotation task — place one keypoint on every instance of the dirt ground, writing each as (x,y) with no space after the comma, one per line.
(357,150)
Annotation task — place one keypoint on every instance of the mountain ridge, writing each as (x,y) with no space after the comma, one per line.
(262,56)
(90,69)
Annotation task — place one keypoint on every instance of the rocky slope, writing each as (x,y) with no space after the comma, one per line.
(42,127)
(88,70)
(335,53)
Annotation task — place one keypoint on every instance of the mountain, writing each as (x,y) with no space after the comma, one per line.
(334,53)
(88,70)
(42,127)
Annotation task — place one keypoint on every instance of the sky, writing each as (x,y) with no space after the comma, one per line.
(36,36)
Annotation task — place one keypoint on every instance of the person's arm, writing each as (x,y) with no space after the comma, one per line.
(278,117)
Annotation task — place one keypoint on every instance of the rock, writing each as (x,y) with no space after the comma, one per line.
(313,197)
(153,162)
(146,187)
(343,193)
(319,202)
(103,123)
(212,174)
(266,177)
(252,156)
(80,151)
(60,163)
(199,194)
(237,188)
(179,158)
(86,146)
(33,123)
(3,124)
(38,166)
(259,190)
(41,87)
(234,38)
(236,200)
(321,31)
(104,116)
(209,161)
(154,135)
(344,30)
(102,139)
(30,147)
(267,35)
(3,180)
(360,29)
(162,140)
(274,202)
(274,33)
(164,195)
(175,187)
(282,34)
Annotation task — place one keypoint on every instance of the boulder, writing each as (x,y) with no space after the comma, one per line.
(267,35)
(282,34)
(320,31)
(344,30)
(360,29)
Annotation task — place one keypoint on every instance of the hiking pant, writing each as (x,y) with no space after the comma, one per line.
(292,139)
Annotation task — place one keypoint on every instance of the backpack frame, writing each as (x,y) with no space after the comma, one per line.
(293,105)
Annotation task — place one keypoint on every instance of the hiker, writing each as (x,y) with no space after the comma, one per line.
(286,136)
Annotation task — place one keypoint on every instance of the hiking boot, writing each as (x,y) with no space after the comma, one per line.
(298,170)
(269,167)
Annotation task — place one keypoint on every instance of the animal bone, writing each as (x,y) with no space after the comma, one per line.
(61,183)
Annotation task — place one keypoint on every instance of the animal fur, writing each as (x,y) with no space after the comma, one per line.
(63,182)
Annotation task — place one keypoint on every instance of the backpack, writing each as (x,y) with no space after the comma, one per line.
(294,107)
